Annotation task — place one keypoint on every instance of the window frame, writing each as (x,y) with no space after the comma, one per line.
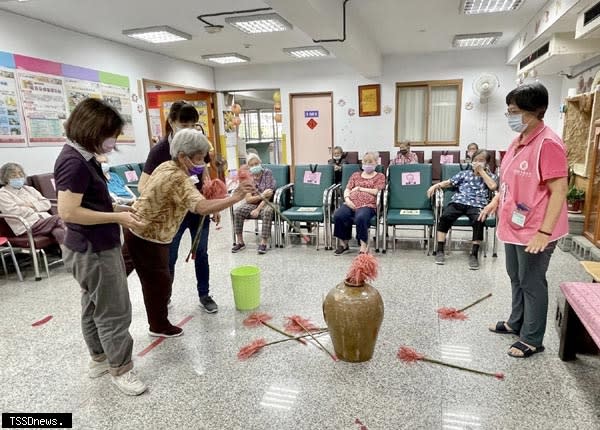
(429,85)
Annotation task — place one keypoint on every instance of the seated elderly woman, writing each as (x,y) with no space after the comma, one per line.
(16,198)
(254,206)
(360,205)
(117,189)
(404,155)
(168,194)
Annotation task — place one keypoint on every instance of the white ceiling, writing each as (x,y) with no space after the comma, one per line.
(374,27)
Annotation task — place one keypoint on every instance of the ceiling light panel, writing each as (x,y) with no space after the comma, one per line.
(475,7)
(307,52)
(226,58)
(480,40)
(254,24)
(160,34)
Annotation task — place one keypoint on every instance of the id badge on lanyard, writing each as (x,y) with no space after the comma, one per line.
(519,215)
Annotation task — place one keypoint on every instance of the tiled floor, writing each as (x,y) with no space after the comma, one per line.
(196,381)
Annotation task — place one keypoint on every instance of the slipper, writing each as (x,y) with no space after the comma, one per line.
(527,351)
(501,328)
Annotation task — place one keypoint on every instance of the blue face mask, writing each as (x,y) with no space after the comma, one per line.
(515,122)
(17,182)
(255,170)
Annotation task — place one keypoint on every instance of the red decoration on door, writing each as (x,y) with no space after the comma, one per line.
(311,123)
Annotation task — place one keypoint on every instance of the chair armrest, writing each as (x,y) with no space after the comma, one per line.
(327,195)
(22,221)
(333,195)
(280,193)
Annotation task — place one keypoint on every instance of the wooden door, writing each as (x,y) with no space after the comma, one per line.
(311,127)
(203,101)
(591,228)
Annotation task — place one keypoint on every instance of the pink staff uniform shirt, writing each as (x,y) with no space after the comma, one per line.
(524,194)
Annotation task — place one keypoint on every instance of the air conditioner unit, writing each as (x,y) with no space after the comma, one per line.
(588,23)
(558,54)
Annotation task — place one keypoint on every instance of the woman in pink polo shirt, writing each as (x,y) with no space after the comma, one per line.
(532,214)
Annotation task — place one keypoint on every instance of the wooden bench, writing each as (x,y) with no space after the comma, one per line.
(580,325)
(593,268)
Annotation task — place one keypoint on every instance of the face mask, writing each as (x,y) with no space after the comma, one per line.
(470,154)
(404,151)
(368,168)
(337,157)
(17,182)
(197,170)
(515,122)
(476,164)
(105,167)
(255,170)
(109,144)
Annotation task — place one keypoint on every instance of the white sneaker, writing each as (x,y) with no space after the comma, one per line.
(98,368)
(129,384)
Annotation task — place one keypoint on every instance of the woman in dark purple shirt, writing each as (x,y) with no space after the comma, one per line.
(92,246)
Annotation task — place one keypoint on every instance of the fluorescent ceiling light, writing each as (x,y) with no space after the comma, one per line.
(474,7)
(307,51)
(159,34)
(226,58)
(478,40)
(266,23)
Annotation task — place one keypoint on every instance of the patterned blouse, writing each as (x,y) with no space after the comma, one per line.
(410,158)
(266,181)
(363,199)
(167,197)
(472,189)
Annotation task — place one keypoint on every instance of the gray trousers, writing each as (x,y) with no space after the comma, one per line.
(527,274)
(105,305)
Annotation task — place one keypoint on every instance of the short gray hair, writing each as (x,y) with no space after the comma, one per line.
(189,142)
(252,156)
(7,169)
(373,154)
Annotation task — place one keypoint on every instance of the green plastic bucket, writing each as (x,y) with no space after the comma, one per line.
(246,287)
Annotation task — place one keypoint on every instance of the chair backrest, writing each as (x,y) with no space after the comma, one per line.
(420,156)
(45,184)
(492,164)
(448,171)
(5,230)
(384,159)
(129,173)
(408,186)
(309,189)
(352,157)
(442,157)
(141,165)
(347,171)
(281,173)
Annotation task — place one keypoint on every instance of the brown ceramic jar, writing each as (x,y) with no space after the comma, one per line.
(353,314)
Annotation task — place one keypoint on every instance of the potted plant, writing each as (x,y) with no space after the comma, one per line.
(575,198)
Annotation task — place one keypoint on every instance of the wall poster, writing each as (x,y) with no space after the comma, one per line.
(12,126)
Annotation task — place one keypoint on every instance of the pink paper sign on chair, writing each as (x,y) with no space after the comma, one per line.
(131,176)
(411,178)
(312,178)
(446,159)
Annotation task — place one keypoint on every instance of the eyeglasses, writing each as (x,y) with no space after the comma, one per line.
(509,113)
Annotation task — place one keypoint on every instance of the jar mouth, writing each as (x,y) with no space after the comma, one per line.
(349,283)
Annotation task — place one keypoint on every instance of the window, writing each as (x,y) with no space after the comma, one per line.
(257,125)
(428,113)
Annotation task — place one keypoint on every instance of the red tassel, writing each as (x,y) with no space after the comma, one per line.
(363,268)
(42,321)
(451,314)
(295,324)
(252,348)
(214,189)
(257,318)
(409,355)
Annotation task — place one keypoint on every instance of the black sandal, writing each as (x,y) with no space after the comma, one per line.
(501,328)
(526,350)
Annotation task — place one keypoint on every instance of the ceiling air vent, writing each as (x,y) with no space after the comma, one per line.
(534,55)
(588,23)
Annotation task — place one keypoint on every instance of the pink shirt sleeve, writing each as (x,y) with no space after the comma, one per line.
(553,161)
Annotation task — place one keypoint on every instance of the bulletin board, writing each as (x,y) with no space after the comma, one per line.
(37,96)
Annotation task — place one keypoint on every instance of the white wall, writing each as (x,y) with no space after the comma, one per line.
(377,133)
(24,36)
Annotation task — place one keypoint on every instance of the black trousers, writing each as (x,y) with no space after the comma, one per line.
(455,210)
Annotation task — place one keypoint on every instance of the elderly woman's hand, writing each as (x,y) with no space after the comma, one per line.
(129,220)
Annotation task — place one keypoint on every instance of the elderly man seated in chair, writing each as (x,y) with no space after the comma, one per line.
(474,187)
(254,206)
(19,199)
